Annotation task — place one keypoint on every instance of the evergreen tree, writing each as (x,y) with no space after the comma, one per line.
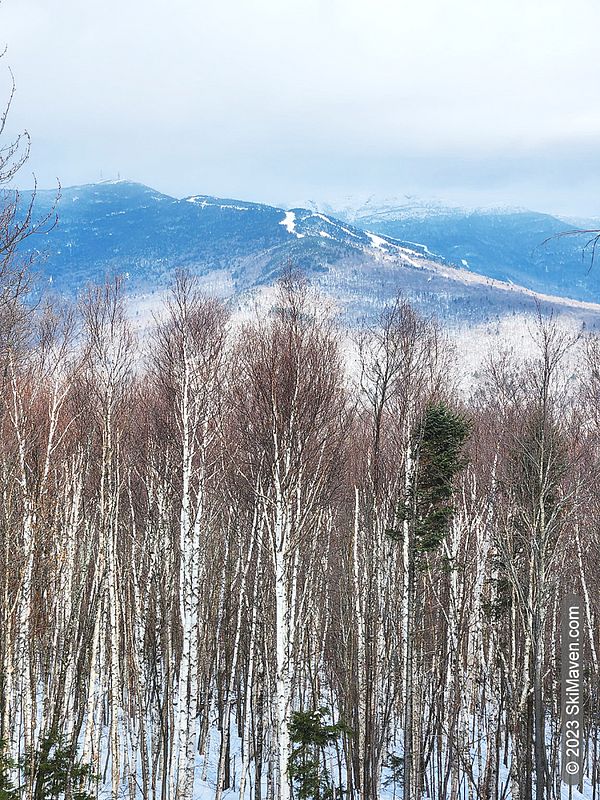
(7,764)
(424,518)
(56,772)
(395,765)
(310,734)
(437,443)
(442,437)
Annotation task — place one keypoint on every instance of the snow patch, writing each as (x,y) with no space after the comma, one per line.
(406,256)
(202,202)
(423,246)
(197,201)
(289,223)
(377,241)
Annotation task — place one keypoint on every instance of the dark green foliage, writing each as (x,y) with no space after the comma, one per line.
(310,733)
(396,766)
(7,764)
(439,460)
(55,770)
(437,444)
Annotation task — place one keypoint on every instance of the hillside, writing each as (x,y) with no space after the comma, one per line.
(236,246)
(521,246)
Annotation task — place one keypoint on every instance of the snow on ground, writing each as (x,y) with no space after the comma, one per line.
(407,256)
(424,246)
(349,232)
(473,278)
(289,222)
(145,308)
(475,344)
(203,202)
(207,766)
(377,241)
(328,220)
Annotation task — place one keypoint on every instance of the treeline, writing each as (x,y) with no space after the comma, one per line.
(255,555)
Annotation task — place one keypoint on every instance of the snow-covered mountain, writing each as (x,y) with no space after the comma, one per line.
(236,246)
(509,244)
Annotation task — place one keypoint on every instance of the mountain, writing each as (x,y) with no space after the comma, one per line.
(521,246)
(236,246)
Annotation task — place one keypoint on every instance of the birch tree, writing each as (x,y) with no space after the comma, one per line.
(290,403)
(188,362)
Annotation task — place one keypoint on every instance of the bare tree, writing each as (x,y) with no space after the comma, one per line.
(18,222)
(188,362)
(290,406)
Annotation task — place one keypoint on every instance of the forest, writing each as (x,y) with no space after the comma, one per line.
(272,558)
(250,557)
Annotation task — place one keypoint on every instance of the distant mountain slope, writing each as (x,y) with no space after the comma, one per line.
(129,228)
(510,245)
(235,246)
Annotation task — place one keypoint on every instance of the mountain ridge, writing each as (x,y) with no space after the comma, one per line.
(510,244)
(236,245)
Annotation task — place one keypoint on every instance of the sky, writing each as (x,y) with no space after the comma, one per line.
(470,102)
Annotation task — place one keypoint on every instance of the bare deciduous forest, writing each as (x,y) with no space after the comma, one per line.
(236,556)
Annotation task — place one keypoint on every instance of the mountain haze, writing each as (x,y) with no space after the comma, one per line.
(517,245)
(236,246)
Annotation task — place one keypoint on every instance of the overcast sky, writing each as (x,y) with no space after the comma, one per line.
(479,102)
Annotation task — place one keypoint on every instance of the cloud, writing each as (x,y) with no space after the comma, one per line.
(249,97)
